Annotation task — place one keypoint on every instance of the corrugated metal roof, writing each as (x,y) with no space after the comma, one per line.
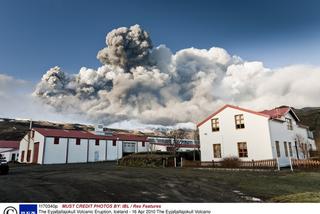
(9,144)
(277,112)
(87,135)
(280,112)
(65,133)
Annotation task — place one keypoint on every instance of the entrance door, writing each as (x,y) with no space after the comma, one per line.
(35,153)
(22,156)
(96,156)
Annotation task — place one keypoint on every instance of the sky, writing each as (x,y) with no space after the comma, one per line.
(36,35)
(280,36)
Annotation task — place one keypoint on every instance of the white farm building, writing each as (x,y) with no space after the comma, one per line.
(250,135)
(9,150)
(56,146)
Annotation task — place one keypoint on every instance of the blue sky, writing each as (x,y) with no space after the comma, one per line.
(38,34)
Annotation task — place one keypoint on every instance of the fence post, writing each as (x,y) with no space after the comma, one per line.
(175,162)
(291,168)
(181,161)
(278,165)
(253,166)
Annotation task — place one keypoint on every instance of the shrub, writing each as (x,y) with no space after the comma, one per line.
(230,162)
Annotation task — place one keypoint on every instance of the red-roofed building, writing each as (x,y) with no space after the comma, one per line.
(9,149)
(252,135)
(56,146)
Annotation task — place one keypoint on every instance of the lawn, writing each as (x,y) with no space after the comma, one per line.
(283,186)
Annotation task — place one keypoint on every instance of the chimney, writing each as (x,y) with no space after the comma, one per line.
(30,126)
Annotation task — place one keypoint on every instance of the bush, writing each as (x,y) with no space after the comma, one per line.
(230,162)
(147,160)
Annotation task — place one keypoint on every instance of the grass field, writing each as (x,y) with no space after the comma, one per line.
(283,186)
(106,182)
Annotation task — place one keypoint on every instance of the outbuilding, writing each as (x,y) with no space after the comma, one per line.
(9,149)
(58,146)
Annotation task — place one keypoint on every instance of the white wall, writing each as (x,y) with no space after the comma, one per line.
(24,147)
(141,148)
(55,153)
(157,147)
(280,132)
(8,152)
(112,150)
(77,153)
(38,138)
(255,134)
(97,151)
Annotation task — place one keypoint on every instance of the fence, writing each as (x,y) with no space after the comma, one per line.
(270,163)
(310,164)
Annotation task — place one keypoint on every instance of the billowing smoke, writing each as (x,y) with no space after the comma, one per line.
(156,86)
(126,47)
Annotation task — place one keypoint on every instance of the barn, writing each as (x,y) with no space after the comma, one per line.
(9,150)
(60,146)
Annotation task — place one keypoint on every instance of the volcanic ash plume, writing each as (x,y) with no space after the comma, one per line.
(156,86)
(126,47)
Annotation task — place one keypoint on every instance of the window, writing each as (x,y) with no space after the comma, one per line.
(296,146)
(242,150)
(28,155)
(239,120)
(217,150)
(97,142)
(78,141)
(306,152)
(143,144)
(215,125)
(285,148)
(289,124)
(290,149)
(56,140)
(114,143)
(278,149)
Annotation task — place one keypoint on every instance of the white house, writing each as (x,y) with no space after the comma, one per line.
(9,150)
(56,146)
(251,135)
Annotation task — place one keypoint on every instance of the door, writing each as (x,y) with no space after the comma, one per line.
(22,156)
(35,153)
(96,156)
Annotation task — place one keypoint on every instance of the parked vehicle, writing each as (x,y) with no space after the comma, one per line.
(4,167)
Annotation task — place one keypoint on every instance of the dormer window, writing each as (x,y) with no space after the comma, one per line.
(215,124)
(289,124)
(239,121)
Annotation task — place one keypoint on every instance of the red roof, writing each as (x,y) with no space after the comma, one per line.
(279,112)
(9,144)
(65,133)
(87,135)
(234,107)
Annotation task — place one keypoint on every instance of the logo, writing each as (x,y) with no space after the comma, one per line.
(28,208)
(10,210)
